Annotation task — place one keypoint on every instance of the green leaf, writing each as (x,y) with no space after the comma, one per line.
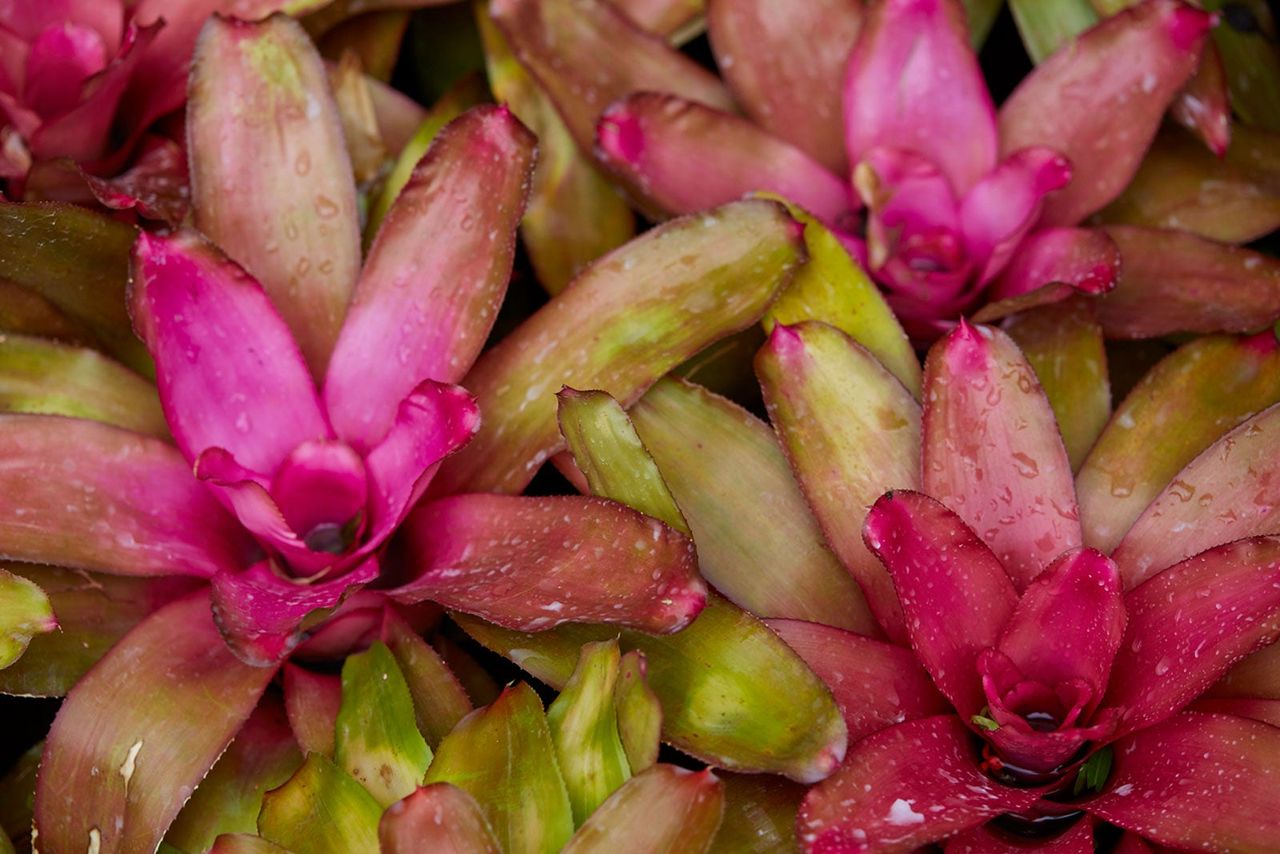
(18,794)
(38,375)
(833,288)
(628,319)
(1093,774)
(78,261)
(228,800)
(503,756)
(584,728)
(610,455)
(639,712)
(989,724)
(244,843)
(321,810)
(466,93)
(759,815)
(24,612)
(1046,25)
(376,740)
(1063,342)
(439,700)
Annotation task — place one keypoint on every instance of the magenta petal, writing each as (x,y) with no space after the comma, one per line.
(435,275)
(83,494)
(259,612)
(681,157)
(83,132)
(875,684)
(956,597)
(913,82)
(432,422)
(1198,781)
(1000,209)
(60,61)
(229,372)
(993,453)
(1189,624)
(245,492)
(907,786)
(1079,597)
(1267,711)
(320,483)
(1085,258)
(1100,100)
(534,563)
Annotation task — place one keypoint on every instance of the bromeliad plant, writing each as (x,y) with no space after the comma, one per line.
(876,118)
(282,502)
(1046,654)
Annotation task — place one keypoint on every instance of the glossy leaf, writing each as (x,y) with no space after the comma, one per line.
(244,843)
(851,433)
(1182,185)
(321,809)
(467,93)
(435,275)
(376,739)
(1179,408)
(150,755)
(78,261)
(38,375)
(992,451)
(658,145)
(759,815)
(757,542)
(1063,344)
(271,182)
(437,818)
(535,562)
(584,729)
(262,756)
(833,288)
(1252,64)
(665,809)
(732,693)
(1172,281)
(1231,482)
(24,612)
(1132,64)
(768,56)
(503,756)
(52,460)
(312,701)
(574,214)
(627,320)
(588,54)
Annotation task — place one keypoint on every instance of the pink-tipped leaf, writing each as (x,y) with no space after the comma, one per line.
(1100,100)
(436,273)
(534,563)
(993,453)
(270,176)
(786,67)
(440,818)
(681,157)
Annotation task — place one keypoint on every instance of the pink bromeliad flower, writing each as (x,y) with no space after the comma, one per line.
(1049,655)
(297,495)
(875,117)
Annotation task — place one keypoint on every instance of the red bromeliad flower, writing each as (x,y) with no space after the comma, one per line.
(1040,667)
(875,117)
